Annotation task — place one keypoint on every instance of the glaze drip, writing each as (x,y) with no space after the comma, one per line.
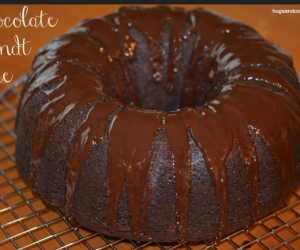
(132,164)
(257,107)
(59,104)
(51,73)
(215,151)
(182,164)
(92,130)
(177,18)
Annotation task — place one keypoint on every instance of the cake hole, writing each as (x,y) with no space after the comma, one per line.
(180,85)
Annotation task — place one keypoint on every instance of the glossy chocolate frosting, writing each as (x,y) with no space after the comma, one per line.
(209,80)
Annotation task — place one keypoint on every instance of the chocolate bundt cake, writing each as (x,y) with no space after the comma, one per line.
(161,124)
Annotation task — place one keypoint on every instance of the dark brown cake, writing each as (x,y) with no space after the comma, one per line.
(161,124)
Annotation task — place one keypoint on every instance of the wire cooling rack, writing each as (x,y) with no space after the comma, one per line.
(27,222)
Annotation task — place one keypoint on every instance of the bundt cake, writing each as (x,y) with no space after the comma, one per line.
(161,124)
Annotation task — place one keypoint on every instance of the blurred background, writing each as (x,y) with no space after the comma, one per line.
(283,29)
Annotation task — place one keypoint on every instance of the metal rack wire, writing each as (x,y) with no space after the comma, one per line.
(27,222)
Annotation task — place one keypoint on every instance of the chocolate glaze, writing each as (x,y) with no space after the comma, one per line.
(60,103)
(214,152)
(92,130)
(132,164)
(91,62)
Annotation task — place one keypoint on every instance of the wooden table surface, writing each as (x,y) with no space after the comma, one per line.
(283,29)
